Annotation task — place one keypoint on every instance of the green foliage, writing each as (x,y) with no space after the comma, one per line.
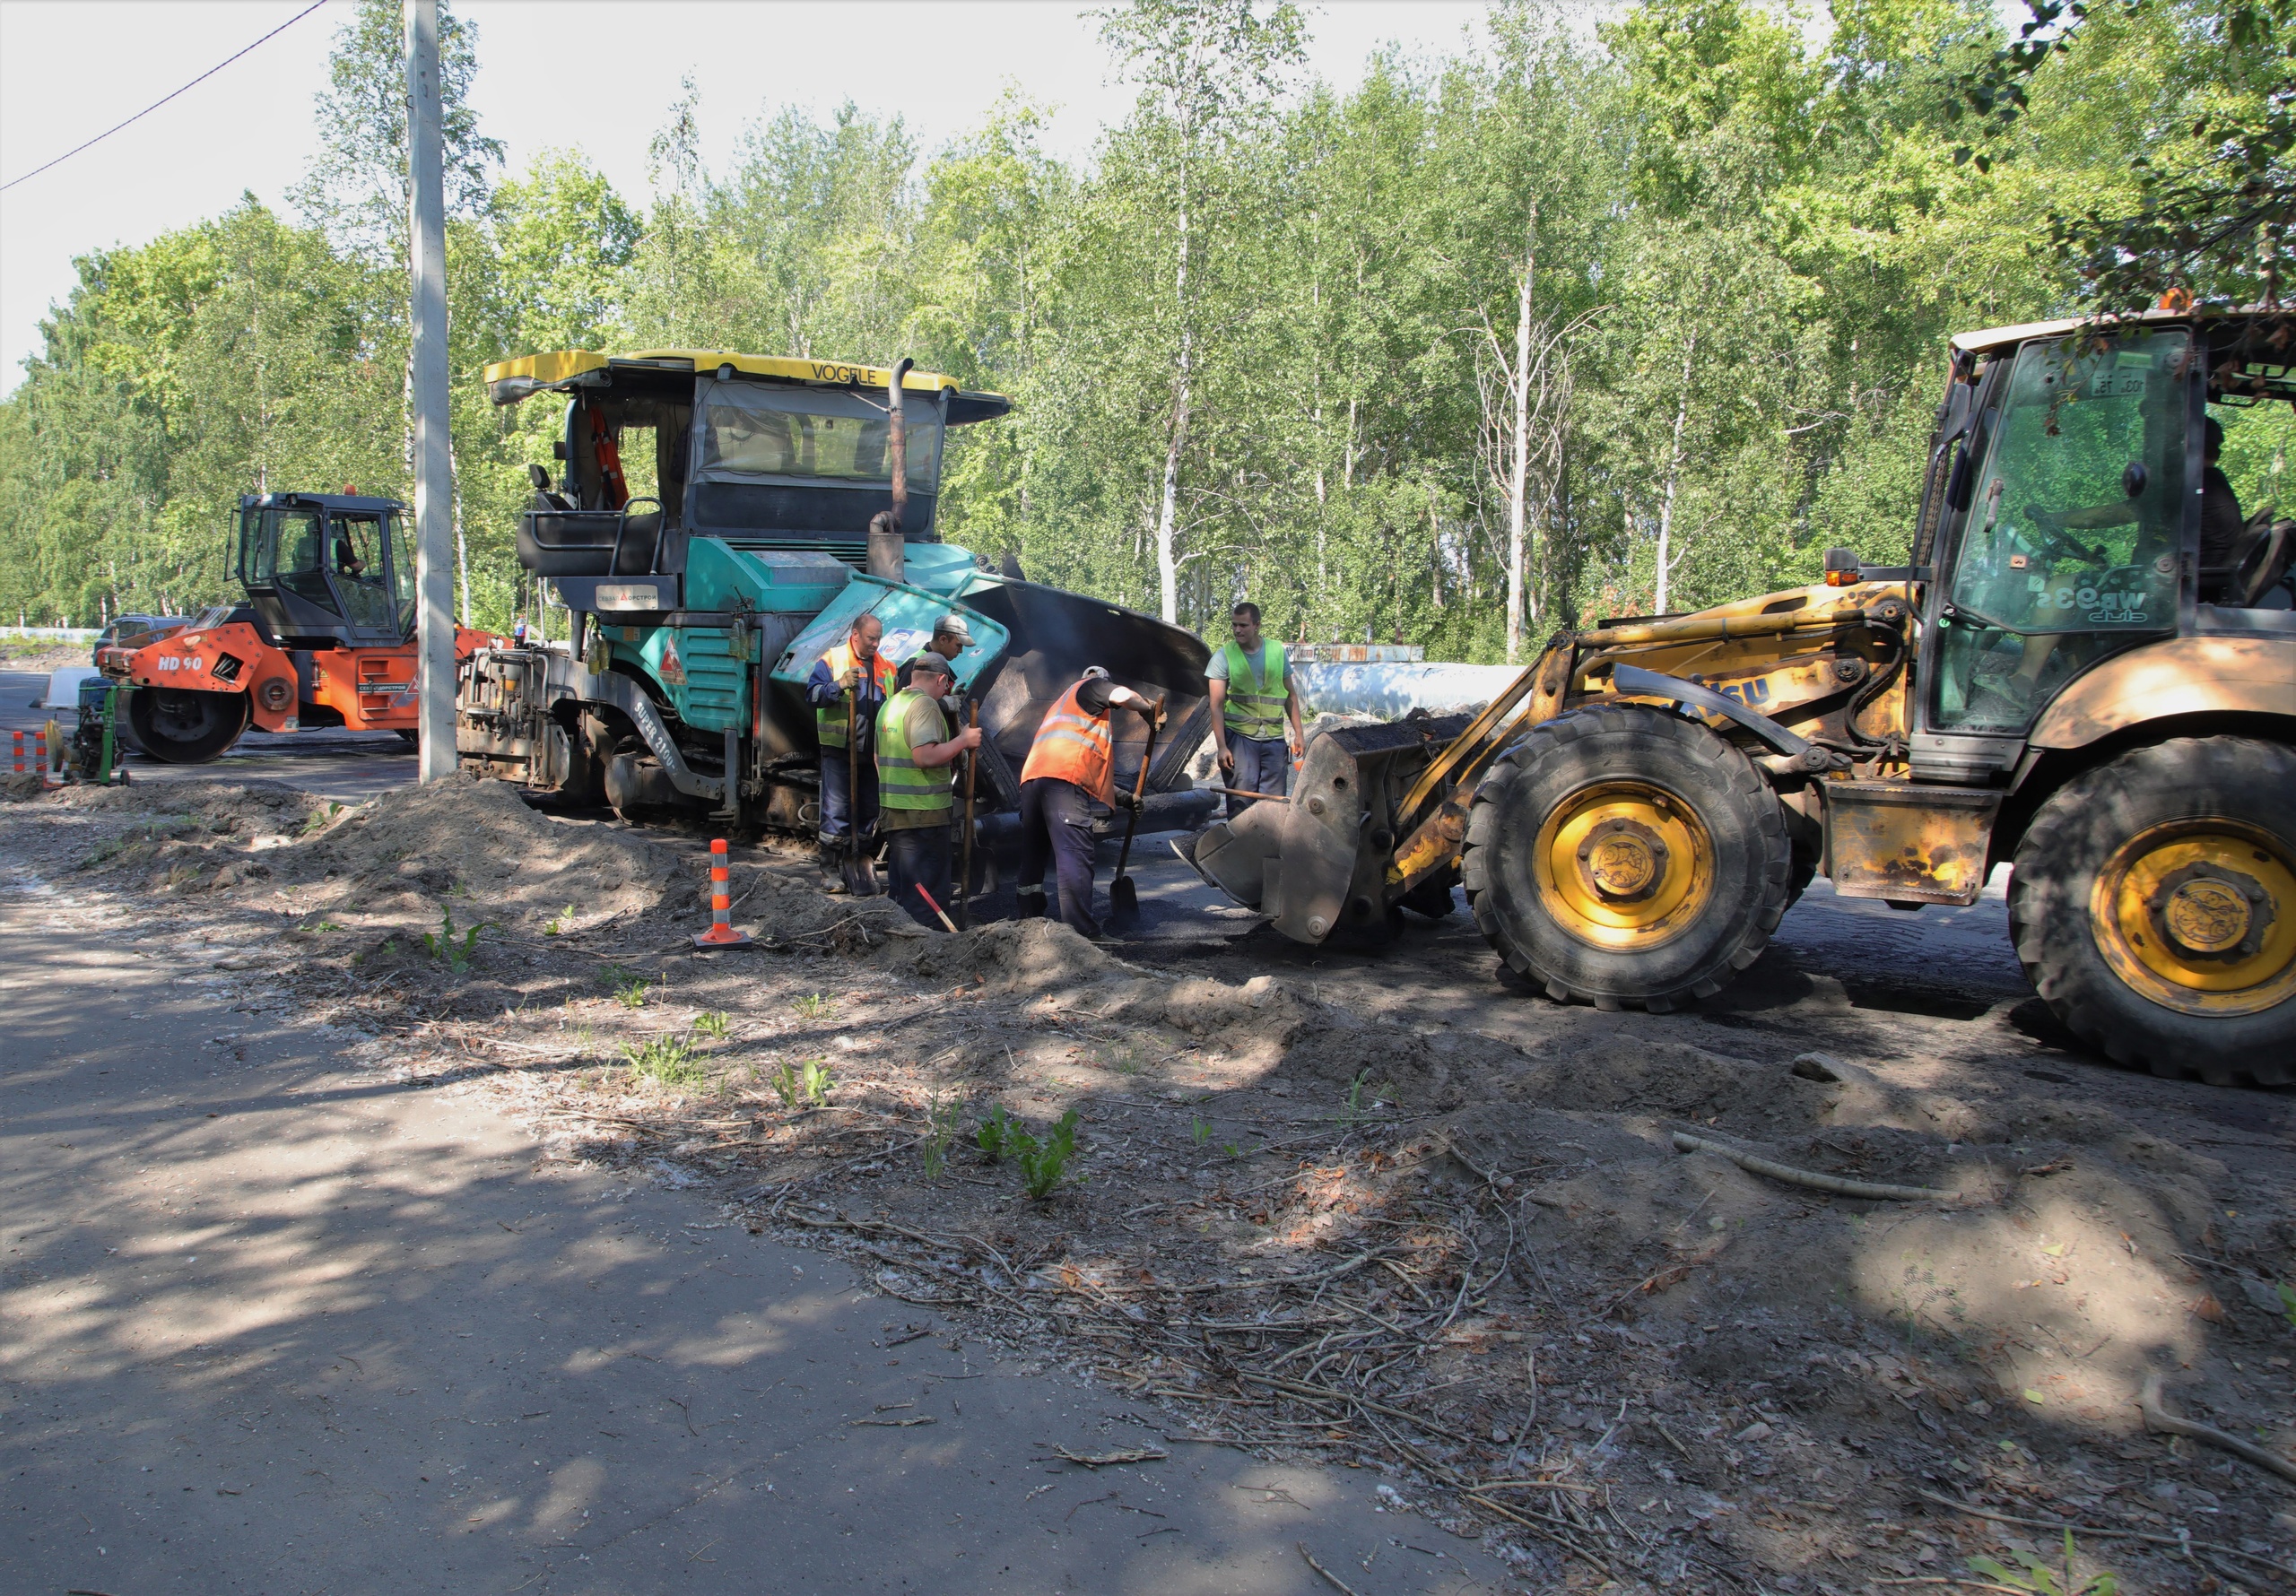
(1043,1163)
(2046,1579)
(715,1023)
(449,947)
(1199,1131)
(560,924)
(628,988)
(668,1060)
(814,1005)
(2288,1304)
(1262,341)
(999,1136)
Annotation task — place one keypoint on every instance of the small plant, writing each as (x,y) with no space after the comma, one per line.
(2042,1579)
(714,1024)
(449,947)
(1356,1094)
(667,1059)
(560,924)
(1042,1163)
(320,819)
(390,945)
(940,1130)
(797,1086)
(815,1005)
(318,926)
(1232,1149)
(2288,1304)
(1200,1131)
(998,1137)
(629,990)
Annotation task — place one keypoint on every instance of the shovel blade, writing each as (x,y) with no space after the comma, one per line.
(1124,902)
(861,877)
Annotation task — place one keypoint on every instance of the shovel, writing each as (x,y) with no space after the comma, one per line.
(860,868)
(1123,895)
(964,857)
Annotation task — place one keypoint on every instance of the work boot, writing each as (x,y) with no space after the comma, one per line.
(1029,905)
(830,857)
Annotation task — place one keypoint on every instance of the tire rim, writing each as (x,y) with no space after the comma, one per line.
(1623,864)
(2200,916)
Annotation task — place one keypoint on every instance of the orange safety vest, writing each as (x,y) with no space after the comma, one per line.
(1074,747)
(829,725)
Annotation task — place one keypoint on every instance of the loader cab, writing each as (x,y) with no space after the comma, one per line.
(326,569)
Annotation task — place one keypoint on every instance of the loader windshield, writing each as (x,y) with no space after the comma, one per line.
(2075,531)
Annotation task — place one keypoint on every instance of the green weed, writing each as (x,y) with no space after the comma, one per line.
(997,1135)
(629,988)
(1355,1095)
(1043,1163)
(1232,1149)
(815,1005)
(2288,1304)
(714,1024)
(1200,1131)
(560,924)
(2043,1579)
(797,1086)
(940,1130)
(449,947)
(320,819)
(668,1060)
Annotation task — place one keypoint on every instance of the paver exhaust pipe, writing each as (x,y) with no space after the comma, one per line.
(886,556)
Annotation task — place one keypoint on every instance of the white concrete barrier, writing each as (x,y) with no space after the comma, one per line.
(1392,690)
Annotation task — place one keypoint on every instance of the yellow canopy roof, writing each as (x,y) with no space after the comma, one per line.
(509,381)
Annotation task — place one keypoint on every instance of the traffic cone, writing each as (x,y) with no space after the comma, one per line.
(19,752)
(721,932)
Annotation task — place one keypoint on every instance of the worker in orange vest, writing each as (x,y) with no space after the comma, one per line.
(1071,767)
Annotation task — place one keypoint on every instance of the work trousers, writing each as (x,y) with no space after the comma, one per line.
(918,856)
(1057,827)
(836,801)
(1263,765)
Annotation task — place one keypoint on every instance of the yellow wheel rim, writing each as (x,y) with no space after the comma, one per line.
(1623,864)
(2200,916)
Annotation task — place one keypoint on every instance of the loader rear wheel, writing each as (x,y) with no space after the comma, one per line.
(185,728)
(1622,854)
(2154,909)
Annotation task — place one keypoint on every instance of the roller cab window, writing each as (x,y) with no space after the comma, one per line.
(2072,545)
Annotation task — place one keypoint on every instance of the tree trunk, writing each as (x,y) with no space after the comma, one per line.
(1167,565)
(1518,466)
(1673,476)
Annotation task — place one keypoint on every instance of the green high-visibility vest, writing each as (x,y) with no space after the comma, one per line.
(1256,698)
(901,782)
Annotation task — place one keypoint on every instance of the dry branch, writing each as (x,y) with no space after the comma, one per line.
(2157,1416)
(1686,1142)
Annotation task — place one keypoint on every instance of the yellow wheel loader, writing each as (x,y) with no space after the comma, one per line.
(2086,671)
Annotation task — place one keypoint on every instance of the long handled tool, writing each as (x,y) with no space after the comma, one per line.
(964,848)
(1124,896)
(860,870)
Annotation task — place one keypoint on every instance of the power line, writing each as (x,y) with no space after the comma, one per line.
(156,104)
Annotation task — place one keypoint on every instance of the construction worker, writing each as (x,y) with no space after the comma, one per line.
(853,671)
(950,636)
(1071,767)
(917,754)
(1252,696)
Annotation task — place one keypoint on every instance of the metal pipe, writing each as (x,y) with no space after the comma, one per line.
(887,559)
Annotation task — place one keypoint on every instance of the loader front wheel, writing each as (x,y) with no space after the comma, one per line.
(1624,855)
(2154,909)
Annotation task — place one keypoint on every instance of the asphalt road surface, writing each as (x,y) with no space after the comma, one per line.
(272,1323)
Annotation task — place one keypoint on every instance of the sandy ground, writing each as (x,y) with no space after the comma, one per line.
(1377,1209)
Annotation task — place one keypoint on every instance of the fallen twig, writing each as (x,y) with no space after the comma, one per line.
(2179,1542)
(1102,1460)
(1334,1580)
(1686,1142)
(2157,1416)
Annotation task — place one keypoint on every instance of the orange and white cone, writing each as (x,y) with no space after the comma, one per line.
(20,753)
(721,932)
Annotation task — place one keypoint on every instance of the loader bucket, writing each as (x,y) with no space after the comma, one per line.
(1321,863)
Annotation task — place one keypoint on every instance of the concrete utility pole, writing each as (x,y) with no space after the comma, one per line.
(434,466)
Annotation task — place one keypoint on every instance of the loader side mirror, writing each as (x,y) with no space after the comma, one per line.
(1843,568)
(2133,478)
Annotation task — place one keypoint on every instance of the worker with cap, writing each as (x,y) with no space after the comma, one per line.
(1071,767)
(854,670)
(950,636)
(1253,695)
(917,755)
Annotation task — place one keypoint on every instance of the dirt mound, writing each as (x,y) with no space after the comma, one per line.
(1012,956)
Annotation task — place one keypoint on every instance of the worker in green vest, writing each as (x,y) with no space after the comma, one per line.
(917,755)
(1253,698)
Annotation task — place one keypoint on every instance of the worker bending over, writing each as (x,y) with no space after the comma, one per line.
(1071,767)
(853,672)
(1252,696)
(917,755)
